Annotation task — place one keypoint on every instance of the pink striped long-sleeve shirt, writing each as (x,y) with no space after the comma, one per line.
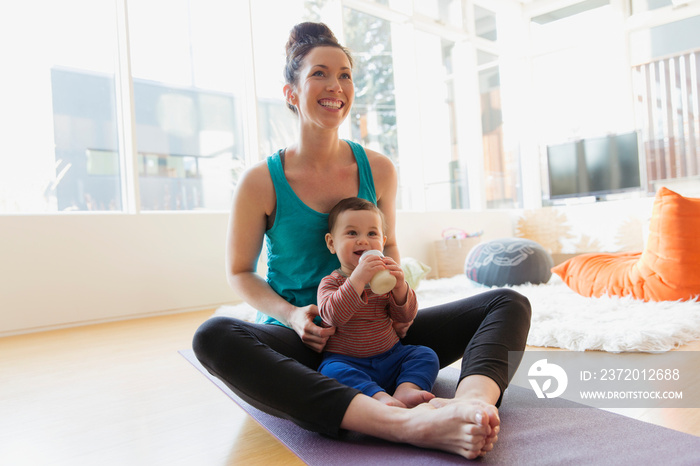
(363,323)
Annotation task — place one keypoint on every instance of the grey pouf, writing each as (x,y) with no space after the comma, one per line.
(508,261)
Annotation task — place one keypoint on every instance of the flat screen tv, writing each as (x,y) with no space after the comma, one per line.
(594,166)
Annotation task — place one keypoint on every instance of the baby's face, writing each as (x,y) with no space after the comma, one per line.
(355,232)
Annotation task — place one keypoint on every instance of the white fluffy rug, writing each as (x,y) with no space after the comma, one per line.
(564,319)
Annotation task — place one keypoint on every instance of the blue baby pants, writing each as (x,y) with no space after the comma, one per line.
(385,371)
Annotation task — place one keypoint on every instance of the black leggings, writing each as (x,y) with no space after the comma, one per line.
(269,367)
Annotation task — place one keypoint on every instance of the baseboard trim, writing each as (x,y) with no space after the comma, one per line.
(85,323)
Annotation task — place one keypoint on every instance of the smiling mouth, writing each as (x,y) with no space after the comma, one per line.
(335,104)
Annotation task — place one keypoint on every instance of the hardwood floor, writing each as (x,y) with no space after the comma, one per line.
(119,393)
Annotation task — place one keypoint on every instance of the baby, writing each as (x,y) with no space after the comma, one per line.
(365,351)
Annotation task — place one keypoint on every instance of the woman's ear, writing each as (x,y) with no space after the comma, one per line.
(329,243)
(289,95)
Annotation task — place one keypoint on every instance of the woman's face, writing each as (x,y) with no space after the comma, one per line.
(325,91)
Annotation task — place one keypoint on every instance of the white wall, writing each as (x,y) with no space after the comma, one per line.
(417,231)
(69,270)
(64,270)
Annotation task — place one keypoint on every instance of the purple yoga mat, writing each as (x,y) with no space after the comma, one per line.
(565,435)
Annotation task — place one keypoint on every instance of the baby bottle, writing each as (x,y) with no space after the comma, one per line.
(383,281)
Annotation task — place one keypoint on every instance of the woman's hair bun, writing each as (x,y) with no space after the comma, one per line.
(310,34)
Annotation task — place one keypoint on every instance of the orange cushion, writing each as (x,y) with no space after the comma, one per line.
(667,270)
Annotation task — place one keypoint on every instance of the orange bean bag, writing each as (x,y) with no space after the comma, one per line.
(667,270)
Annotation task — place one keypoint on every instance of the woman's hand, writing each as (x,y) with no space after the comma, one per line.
(313,336)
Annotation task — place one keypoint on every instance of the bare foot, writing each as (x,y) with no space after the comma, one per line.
(491,420)
(460,427)
(466,427)
(477,388)
(388,400)
(411,395)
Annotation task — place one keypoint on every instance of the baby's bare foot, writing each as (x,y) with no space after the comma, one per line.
(413,397)
(388,400)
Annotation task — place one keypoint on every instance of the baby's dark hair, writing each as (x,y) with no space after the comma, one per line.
(354,203)
(303,38)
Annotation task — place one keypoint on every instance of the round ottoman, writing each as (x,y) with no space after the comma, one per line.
(508,261)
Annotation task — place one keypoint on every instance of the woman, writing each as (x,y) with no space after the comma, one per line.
(284,201)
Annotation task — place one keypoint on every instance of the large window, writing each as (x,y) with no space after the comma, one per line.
(84,128)
(185,138)
(159,105)
(188,91)
(44,43)
(416,129)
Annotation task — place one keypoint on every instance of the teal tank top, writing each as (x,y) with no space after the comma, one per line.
(297,256)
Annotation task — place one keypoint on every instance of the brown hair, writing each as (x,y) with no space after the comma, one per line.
(353,203)
(303,38)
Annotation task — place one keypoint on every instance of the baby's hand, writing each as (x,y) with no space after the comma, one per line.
(396,270)
(365,270)
(401,289)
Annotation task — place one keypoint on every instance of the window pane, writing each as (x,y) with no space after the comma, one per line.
(484,58)
(485,23)
(569,11)
(667,89)
(667,96)
(374,110)
(445,183)
(665,40)
(445,11)
(404,6)
(501,167)
(87,144)
(188,87)
(568,86)
(277,125)
(640,6)
(57,89)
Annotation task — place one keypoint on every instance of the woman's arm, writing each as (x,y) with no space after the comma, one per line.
(253,205)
